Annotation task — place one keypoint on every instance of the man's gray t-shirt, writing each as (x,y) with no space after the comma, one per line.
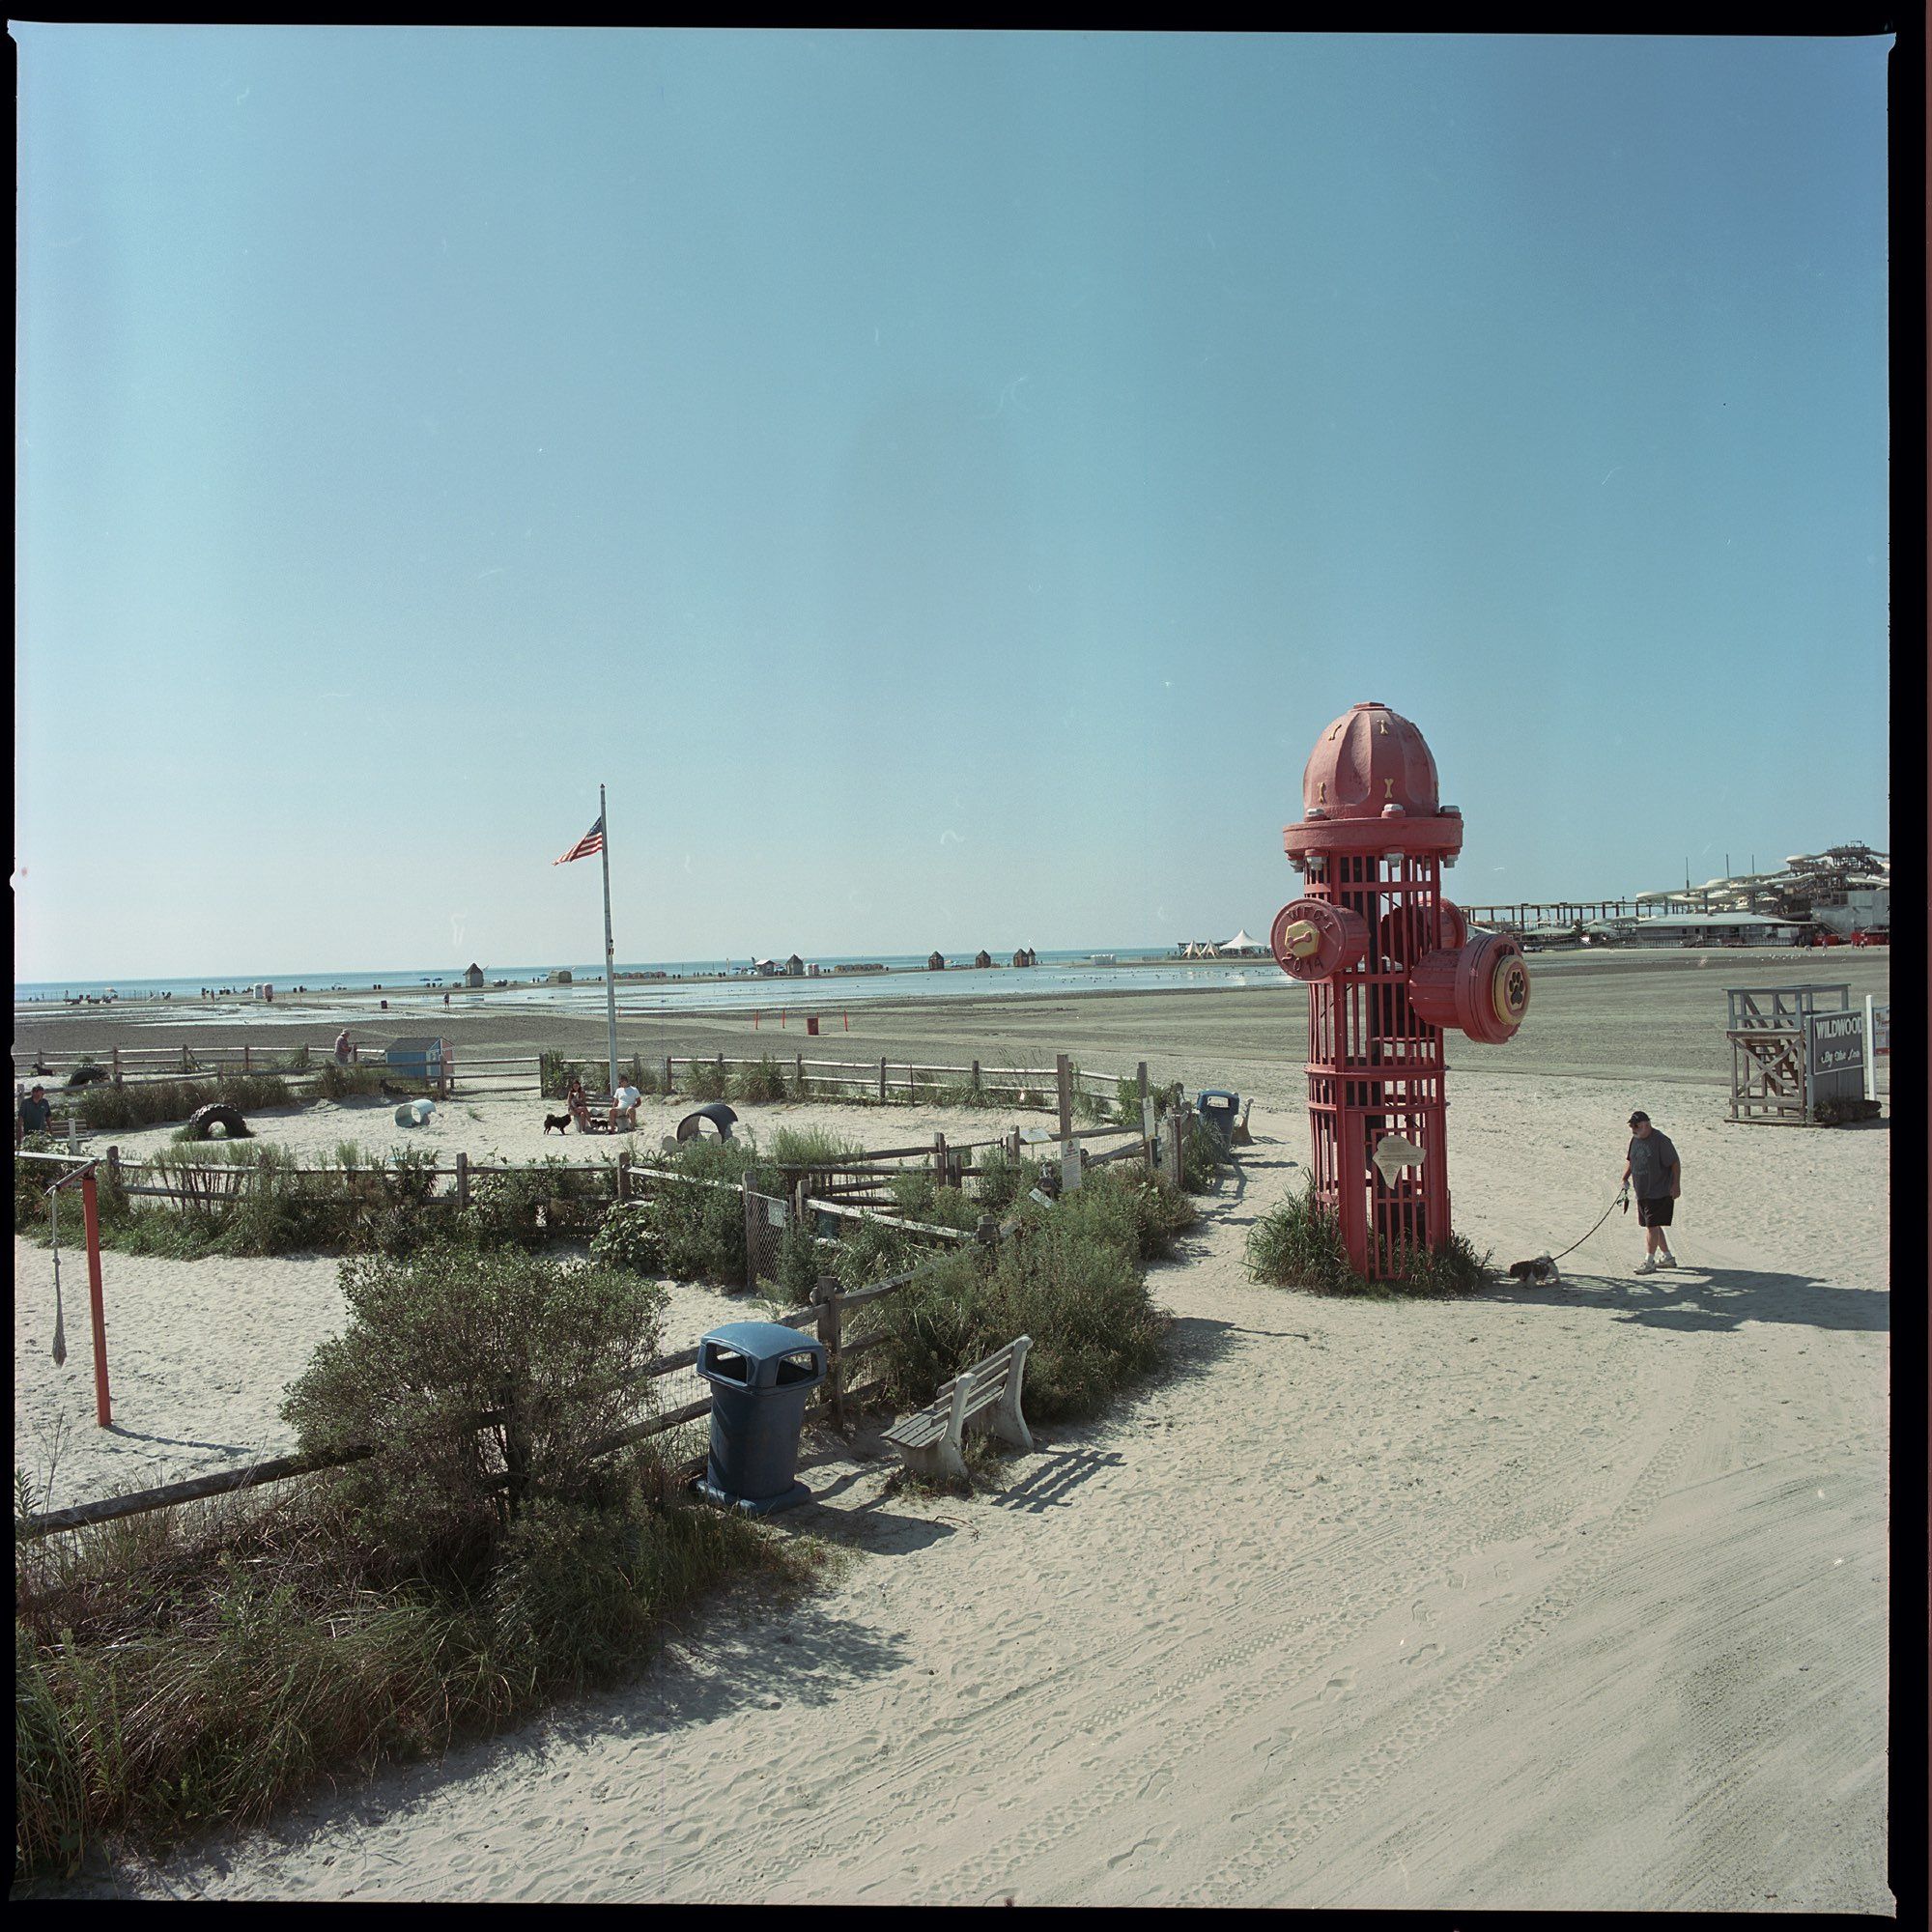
(1651,1157)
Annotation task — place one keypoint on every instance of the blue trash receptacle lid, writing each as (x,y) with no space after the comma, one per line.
(763,1348)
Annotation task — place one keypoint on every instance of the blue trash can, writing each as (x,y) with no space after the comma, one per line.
(761,1374)
(1219,1111)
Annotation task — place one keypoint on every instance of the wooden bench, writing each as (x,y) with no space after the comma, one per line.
(986,1396)
(597,1108)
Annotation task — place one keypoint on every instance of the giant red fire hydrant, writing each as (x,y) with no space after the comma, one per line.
(1389,964)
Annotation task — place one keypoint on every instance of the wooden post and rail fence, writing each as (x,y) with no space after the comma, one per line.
(825,1314)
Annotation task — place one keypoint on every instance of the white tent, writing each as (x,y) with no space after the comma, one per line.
(1240,943)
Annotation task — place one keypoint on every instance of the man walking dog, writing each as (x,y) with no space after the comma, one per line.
(1653,1172)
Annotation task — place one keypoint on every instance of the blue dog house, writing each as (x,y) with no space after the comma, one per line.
(420,1058)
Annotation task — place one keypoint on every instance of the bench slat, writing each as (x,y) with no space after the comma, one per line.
(926,1426)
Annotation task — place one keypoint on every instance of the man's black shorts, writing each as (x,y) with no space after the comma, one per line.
(1653,1210)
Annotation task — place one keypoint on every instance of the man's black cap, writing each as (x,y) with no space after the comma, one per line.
(1635,1118)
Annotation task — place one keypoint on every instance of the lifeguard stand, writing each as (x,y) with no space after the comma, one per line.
(1793,1050)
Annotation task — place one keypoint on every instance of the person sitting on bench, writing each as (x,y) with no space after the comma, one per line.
(576,1105)
(624,1106)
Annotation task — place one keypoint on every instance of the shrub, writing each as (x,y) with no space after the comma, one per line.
(1128,1207)
(335,1081)
(31,1178)
(766,1081)
(868,1251)
(809,1148)
(549,1198)
(918,1197)
(147,1103)
(1299,1245)
(800,1261)
(701,1230)
(1203,1159)
(554,1073)
(549,1351)
(704,1080)
(1128,1100)
(1002,1180)
(1081,1298)
(628,1239)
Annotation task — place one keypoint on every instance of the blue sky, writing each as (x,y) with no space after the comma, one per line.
(942,484)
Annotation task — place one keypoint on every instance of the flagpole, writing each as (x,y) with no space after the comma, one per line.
(610,953)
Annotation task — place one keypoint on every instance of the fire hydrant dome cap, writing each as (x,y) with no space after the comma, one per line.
(1365,761)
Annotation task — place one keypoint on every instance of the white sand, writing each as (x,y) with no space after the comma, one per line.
(1559,1597)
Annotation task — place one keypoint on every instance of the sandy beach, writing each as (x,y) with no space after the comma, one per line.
(1571,1596)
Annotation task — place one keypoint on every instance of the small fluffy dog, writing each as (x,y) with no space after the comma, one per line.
(1542,1271)
(561,1122)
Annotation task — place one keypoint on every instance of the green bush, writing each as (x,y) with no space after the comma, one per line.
(31,1178)
(1081,1298)
(1002,1180)
(1297,1245)
(704,1080)
(547,1200)
(809,1148)
(765,1082)
(628,1239)
(554,1073)
(701,1230)
(868,1251)
(336,1082)
(149,1103)
(1125,1206)
(801,1258)
(1203,1160)
(919,1198)
(550,1351)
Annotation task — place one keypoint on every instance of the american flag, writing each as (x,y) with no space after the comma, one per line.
(591,841)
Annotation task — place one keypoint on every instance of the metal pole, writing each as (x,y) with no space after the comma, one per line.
(103,1412)
(610,953)
(1871,1055)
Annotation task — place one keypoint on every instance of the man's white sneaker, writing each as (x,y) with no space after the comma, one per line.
(1646,1265)
(1666,1259)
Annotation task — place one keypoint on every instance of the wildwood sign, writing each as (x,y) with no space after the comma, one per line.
(1836,1041)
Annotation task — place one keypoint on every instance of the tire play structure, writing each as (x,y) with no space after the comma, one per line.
(217,1114)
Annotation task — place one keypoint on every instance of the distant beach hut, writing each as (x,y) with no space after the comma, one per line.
(1026,956)
(561,977)
(935,962)
(794,968)
(982,958)
(472,975)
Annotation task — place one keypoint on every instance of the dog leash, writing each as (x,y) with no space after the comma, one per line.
(1623,1197)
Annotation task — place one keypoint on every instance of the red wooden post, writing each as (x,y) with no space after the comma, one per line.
(103,1413)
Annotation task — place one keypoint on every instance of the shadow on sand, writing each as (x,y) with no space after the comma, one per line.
(1709,1299)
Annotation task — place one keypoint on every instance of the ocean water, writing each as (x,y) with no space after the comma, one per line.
(690,988)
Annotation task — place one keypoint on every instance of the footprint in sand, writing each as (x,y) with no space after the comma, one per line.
(1333,1692)
(1426,1653)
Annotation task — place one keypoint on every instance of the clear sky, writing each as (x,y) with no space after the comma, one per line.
(942,484)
